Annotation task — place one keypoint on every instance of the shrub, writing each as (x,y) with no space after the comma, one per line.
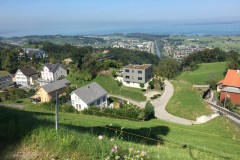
(125,111)
(67,108)
(149,111)
(155,96)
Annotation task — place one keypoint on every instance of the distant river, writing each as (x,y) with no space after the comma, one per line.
(162,29)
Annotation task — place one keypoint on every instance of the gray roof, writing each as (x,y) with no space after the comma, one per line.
(5,78)
(28,71)
(55,85)
(90,92)
(231,89)
(53,67)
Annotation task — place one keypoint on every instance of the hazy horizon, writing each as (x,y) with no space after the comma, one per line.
(28,17)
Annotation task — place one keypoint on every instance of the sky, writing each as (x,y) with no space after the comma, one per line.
(20,15)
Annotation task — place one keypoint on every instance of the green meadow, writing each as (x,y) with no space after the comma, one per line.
(186,101)
(30,134)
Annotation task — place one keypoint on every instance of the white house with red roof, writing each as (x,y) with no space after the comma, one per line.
(229,87)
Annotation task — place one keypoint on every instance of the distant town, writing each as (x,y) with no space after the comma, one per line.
(169,46)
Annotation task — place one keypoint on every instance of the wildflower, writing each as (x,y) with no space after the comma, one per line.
(143,153)
(117,157)
(130,149)
(112,139)
(114,149)
(100,137)
(107,158)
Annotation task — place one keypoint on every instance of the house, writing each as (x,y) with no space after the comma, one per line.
(32,52)
(5,82)
(89,95)
(229,87)
(137,73)
(52,72)
(48,92)
(25,76)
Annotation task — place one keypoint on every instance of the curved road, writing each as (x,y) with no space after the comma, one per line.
(160,106)
(161,103)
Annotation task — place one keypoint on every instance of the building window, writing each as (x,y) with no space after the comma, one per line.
(104,98)
(140,72)
(139,78)
(126,70)
(127,77)
(98,101)
(79,106)
(132,71)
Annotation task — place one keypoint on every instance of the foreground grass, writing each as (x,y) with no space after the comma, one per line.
(31,133)
(186,102)
(111,86)
(204,73)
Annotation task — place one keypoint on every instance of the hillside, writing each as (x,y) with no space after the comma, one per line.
(187,101)
(204,73)
(30,133)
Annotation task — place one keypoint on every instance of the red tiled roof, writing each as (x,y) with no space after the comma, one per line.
(220,82)
(232,78)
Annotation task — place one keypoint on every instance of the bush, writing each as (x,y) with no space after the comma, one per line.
(127,111)
(149,111)
(67,108)
(48,106)
(156,96)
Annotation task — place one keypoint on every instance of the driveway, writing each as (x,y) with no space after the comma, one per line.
(139,104)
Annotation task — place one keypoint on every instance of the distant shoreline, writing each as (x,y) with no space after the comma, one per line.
(228,29)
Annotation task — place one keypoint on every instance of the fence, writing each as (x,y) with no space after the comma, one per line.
(224,110)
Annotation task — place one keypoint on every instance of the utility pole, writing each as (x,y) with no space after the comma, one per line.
(56,112)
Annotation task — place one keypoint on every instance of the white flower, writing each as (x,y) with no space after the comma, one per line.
(100,137)
(112,139)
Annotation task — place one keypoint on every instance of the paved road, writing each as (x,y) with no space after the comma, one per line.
(161,103)
(139,104)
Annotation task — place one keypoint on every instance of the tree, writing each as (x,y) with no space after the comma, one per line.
(168,67)
(151,84)
(114,74)
(141,85)
(149,111)
(10,63)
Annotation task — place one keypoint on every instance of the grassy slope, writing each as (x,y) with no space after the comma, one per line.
(78,136)
(111,86)
(204,73)
(186,101)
